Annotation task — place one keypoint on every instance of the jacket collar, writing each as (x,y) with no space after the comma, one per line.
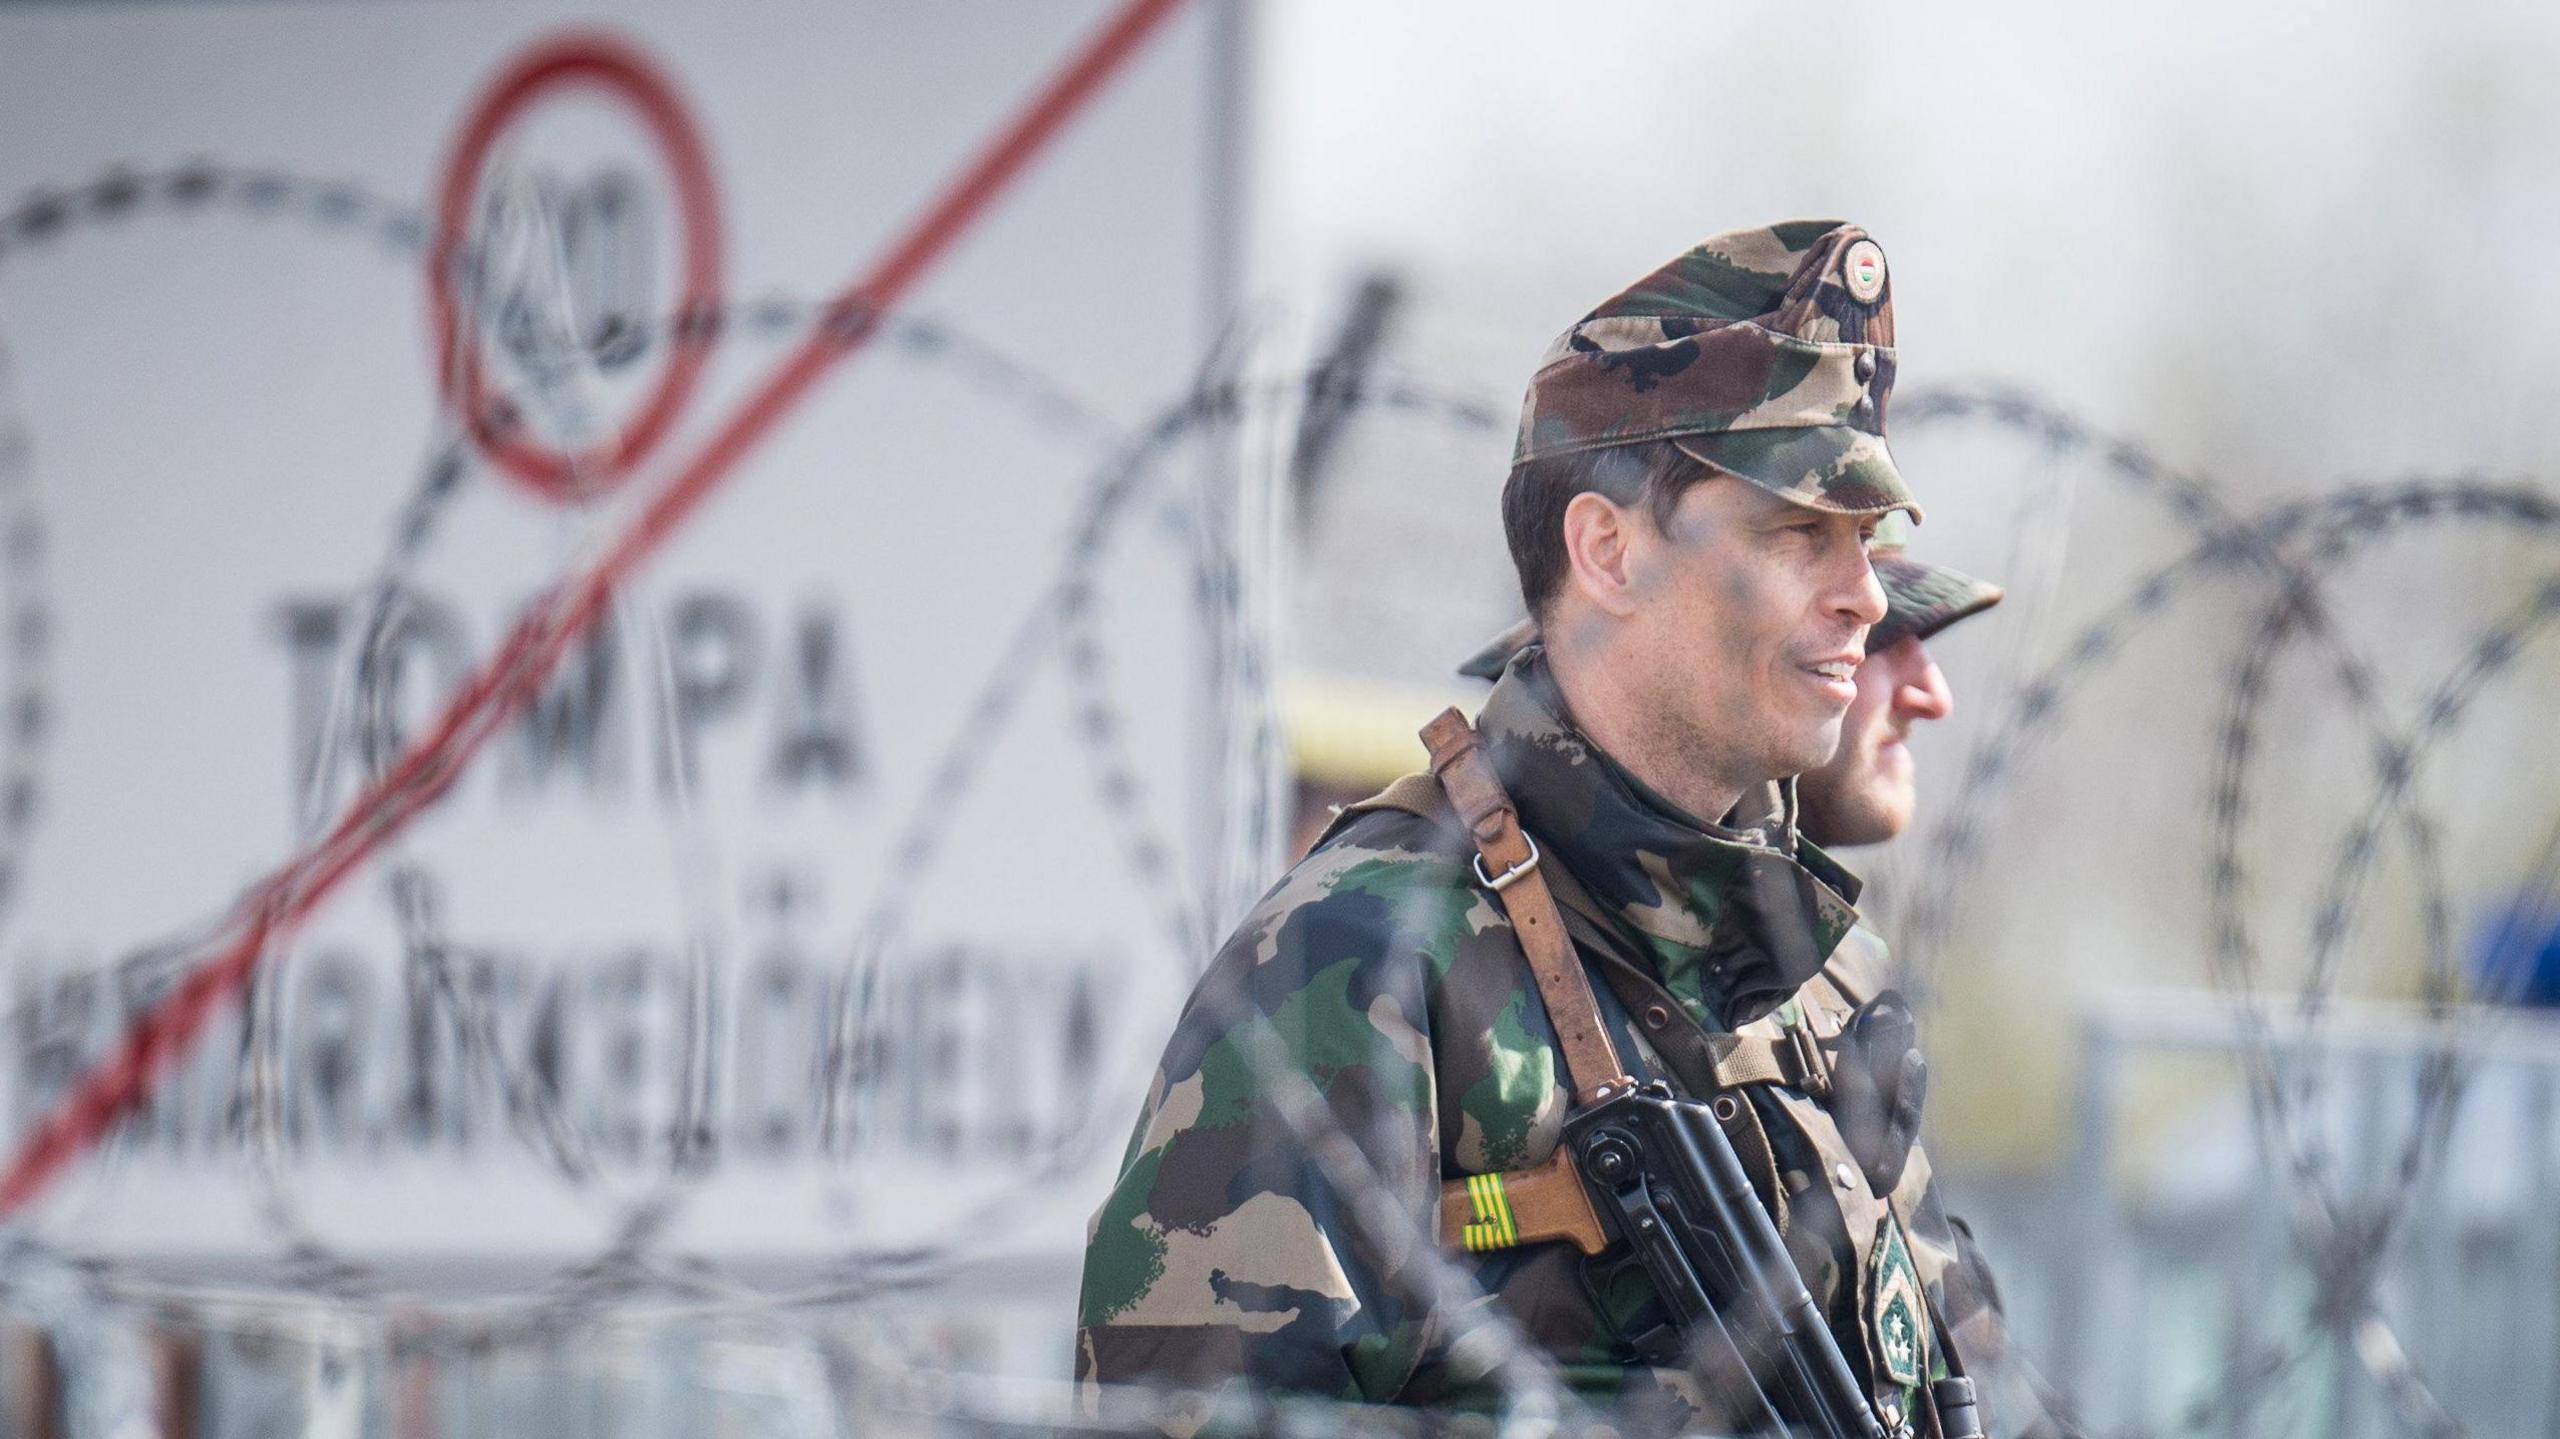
(1734,915)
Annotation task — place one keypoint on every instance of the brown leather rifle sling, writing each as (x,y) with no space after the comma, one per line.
(1498,1211)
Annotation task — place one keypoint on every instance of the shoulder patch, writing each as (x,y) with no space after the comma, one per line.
(1894,1307)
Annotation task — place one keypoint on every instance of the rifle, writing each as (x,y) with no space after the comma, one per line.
(1671,1191)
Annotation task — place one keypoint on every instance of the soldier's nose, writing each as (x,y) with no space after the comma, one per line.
(1926,694)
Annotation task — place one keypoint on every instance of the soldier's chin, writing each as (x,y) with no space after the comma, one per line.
(1840,811)
(1891,815)
(1820,743)
(1889,796)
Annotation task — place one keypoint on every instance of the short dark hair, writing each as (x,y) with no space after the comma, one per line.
(1654,473)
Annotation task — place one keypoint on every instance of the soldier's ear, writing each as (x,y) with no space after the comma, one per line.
(1600,542)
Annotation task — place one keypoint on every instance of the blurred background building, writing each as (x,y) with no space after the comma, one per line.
(745,1038)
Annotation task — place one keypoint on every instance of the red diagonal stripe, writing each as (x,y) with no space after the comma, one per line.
(534,648)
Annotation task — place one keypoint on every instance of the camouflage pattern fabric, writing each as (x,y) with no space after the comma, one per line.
(1231,1252)
(1922,599)
(1764,353)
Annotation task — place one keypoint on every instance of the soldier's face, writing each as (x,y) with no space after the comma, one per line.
(1864,794)
(1756,626)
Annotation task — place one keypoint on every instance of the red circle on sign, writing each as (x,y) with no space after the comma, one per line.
(597,62)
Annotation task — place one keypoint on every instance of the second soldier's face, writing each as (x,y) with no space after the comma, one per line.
(1865,793)
(1756,626)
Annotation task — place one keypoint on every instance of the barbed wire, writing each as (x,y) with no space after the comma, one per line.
(1216,404)
(2341,1253)
(2344,1244)
(26,641)
(2351,1246)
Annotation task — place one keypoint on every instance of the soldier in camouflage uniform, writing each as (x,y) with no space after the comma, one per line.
(1701,461)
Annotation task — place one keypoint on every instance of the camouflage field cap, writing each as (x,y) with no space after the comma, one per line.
(1922,599)
(1766,353)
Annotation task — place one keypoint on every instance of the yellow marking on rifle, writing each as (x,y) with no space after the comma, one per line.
(1494,1226)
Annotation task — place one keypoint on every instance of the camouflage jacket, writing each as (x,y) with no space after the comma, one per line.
(1377,995)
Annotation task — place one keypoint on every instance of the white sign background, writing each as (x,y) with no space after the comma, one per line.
(228,411)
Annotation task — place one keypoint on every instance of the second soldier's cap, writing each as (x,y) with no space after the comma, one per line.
(1764,353)
(1922,599)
